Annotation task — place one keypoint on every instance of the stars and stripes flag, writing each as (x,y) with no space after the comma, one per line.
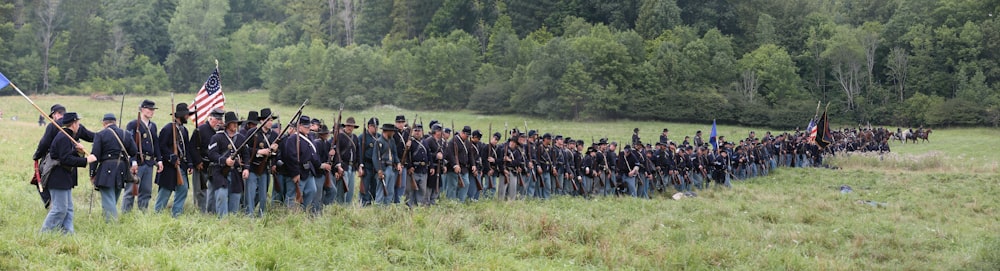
(811,129)
(209,97)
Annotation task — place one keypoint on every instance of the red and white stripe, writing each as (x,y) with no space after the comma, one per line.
(205,102)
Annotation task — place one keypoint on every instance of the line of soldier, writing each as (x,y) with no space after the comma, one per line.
(233,162)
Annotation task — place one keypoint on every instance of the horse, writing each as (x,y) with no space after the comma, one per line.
(923,135)
(909,135)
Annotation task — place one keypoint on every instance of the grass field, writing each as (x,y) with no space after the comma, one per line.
(940,213)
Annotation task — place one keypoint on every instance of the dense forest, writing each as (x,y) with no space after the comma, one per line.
(753,62)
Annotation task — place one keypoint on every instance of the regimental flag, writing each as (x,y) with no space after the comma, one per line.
(209,97)
(3,81)
(823,135)
(713,138)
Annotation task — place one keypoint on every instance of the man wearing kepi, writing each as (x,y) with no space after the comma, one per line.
(366,170)
(301,164)
(174,144)
(200,176)
(113,151)
(63,177)
(386,165)
(56,113)
(459,165)
(417,166)
(400,138)
(143,131)
(224,165)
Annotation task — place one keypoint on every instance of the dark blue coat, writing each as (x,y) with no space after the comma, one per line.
(64,175)
(299,156)
(50,133)
(111,166)
(219,150)
(147,142)
(167,179)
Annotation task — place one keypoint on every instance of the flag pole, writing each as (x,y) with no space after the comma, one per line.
(84,152)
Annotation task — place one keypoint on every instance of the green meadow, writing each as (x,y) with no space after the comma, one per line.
(927,206)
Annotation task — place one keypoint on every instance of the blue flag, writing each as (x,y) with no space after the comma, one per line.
(713,137)
(3,81)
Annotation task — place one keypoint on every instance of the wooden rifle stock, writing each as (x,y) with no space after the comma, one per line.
(138,143)
(177,165)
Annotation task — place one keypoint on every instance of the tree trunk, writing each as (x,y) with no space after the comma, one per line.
(48,15)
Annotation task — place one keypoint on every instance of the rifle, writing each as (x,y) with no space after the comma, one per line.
(455,140)
(361,184)
(406,153)
(138,144)
(492,148)
(177,165)
(385,188)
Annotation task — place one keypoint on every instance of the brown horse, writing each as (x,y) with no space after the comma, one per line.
(924,135)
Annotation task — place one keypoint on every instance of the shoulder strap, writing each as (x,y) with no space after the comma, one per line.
(124,151)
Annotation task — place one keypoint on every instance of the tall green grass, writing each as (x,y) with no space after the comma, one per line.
(939,212)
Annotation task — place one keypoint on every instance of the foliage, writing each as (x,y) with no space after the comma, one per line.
(643,59)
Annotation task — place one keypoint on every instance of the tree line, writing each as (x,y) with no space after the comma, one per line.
(761,62)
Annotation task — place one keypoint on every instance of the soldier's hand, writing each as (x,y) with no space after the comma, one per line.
(491,160)
(381,175)
(246,174)
(274,146)
(410,170)
(474,169)
(135,169)
(79,147)
(230,162)
(338,175)
(432,171)
(199,166)
(91,158)
(399,167)
(325,166)
(264,152)
(458,169)
(490,172)
(295,179)
(190,171)
(159,167)
(361,172)
(333,152)
(440,156)
(508,159)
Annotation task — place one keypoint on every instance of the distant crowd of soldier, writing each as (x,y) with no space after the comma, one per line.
(232,165)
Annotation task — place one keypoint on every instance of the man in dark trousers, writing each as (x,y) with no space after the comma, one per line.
(113,151)
(62,180)
(174,149)
(144,132)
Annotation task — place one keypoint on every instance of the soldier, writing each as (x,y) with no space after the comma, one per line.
(476,156)
(417,165)
(302,161)
(325,187)
(143,131)
(635,136)
(512,166)
(722,163)
(492,165)
(201,176)
(386,165)
(349,159)
(108,173)
(459,164)
(698,142)
(435,148)
(366,149)
(628,160)
(531,184)
(545,168)
(262,148)
(591,171)
(56,112)
(173,148)
(663,136)
(226,167)
(62,180)
(400,140)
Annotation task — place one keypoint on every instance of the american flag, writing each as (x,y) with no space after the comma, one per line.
(209,97)
(811,129)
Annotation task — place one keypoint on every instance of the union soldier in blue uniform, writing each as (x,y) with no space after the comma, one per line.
(417,166)
(62,180)
(301,162)
(368,178)
(201,138)
(348,158)
(113,150)
(386,165)
(262,149)
(227,168)
(174,145)
(144,131)
(56,112)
